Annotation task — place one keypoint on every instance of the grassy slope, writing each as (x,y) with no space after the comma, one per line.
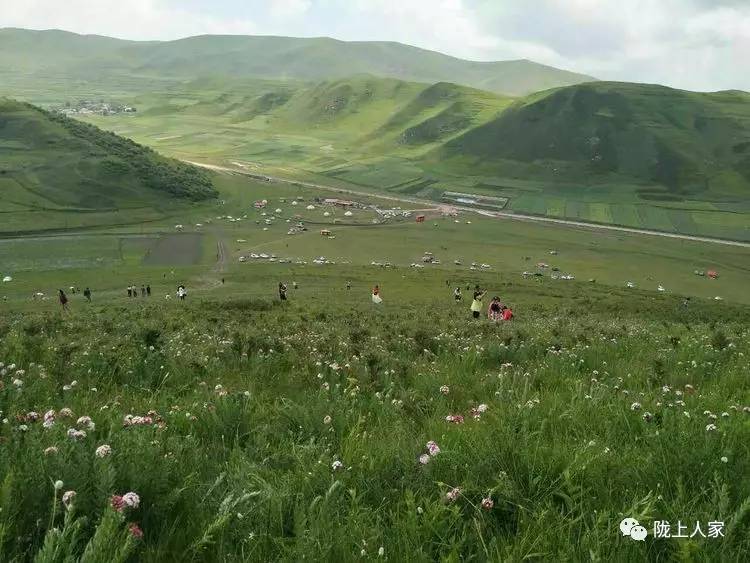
(76,56)
(54,165)
(584,423)
(691,145)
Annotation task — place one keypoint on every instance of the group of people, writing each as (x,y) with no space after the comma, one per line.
(145,291)
(496,311)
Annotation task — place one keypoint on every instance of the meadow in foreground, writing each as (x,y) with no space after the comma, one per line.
(244,430)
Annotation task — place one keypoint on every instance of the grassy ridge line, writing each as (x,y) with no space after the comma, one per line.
(499,214)
(77,57)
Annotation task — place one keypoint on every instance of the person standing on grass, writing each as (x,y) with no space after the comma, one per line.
(457,294)
(494,311)
(148,290)
(130,291)
(476,303)
(376,298)
(143,291)
(348,285)
(181,292)
(294,285)
(87,294)
(282,291)
(63,299)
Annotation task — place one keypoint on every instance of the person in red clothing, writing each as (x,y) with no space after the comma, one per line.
(507,314)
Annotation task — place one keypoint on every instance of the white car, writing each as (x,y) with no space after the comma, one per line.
(242,259)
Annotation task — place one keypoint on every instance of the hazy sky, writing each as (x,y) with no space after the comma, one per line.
(694,44)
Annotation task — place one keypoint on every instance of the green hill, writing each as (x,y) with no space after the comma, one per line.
(53,164)
(677,144)
(75,57)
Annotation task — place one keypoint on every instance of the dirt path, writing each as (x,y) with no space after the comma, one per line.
(495,214)
(221,257)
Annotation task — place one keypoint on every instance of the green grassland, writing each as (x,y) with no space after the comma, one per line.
(295,432)
(660,171)
(110,259)
(584,393)
(57,172)
(635,155)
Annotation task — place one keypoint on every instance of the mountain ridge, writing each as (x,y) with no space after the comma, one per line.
(267,57)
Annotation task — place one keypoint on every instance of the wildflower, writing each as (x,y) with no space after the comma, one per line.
(444,389)
(103,451)
(710,428)
(65,412)
(487,503)
(635,407)
(424,459)
(23,428)
(49,419)
(67,499)
(128,500)
(50,451)
(433,448)
(87,422)
(724,459)
(18,383)
(327,419)
(135,530)
(58,485)
(453,494)
(336,465)
(454,418)
(647,416)
(74,434)
(117,503)
(420,510)
(32,416)
(381,551)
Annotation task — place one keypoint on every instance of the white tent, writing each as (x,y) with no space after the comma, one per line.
(310,207)
(7,279)
(348,214)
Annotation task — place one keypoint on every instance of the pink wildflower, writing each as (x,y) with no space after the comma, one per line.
(433,448)
(487,503)
(453,494)
(135,530)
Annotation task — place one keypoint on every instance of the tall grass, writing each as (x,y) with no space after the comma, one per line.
(296,434)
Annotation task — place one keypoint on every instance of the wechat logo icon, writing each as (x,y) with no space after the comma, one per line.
(631,527)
